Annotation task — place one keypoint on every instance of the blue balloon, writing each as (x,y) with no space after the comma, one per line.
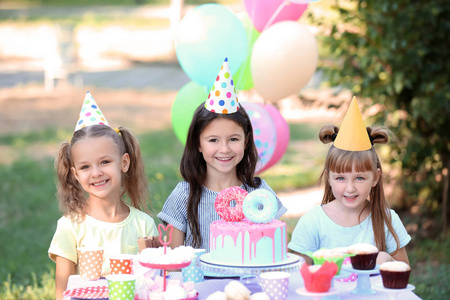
(207,35)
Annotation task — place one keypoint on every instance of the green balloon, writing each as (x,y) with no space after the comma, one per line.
(188,98)
(243,76)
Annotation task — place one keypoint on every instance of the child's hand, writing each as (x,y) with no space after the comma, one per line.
(384,257)
(156,242)
(149,242)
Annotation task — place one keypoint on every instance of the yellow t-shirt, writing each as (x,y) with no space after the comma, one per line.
(115,238)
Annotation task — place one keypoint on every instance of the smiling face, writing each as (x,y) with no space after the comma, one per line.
(352,189)
(98,167)
(222,144)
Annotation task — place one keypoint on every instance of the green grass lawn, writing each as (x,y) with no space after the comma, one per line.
(29,210)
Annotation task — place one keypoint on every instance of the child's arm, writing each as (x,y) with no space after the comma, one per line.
(308,259)
(177,238)
(64,268)
(400,255)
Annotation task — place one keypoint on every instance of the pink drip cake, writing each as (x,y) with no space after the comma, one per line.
(248,243)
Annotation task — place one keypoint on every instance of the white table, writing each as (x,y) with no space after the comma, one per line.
(211,285)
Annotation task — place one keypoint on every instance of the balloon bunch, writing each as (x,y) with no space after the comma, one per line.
(268,50)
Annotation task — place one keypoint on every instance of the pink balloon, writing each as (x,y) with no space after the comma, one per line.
(264,13)
(283,136)
(264,132)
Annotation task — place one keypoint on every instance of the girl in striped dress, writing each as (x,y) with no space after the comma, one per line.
(220,153)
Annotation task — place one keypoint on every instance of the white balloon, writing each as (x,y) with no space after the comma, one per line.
(284,59)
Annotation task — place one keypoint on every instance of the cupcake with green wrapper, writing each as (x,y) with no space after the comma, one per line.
(336,255)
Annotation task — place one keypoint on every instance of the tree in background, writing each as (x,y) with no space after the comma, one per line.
(396,53)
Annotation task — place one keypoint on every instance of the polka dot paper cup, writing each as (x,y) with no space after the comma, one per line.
(121,264)
(90,261)
(275,284)
(193,272)
(121,286)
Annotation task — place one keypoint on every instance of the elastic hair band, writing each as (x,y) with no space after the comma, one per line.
(116,130)
(372,138)
(333,136)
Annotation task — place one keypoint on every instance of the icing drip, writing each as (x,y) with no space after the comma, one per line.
(254,232)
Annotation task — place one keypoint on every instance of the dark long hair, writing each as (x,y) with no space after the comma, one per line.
(342,161)
(193,165)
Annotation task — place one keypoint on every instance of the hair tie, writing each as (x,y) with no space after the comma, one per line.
(372,138)
(117,130)
(333,136)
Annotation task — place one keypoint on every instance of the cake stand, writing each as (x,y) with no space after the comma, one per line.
(166,267)
(247,273)
(393,292)
(363,286)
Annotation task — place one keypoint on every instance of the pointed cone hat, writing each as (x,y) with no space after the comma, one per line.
(222,98)
(352,135)
(90,114)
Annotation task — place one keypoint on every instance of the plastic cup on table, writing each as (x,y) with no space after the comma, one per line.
(121,264)
(121,286)
(275,284)
(90,261)
(193,272)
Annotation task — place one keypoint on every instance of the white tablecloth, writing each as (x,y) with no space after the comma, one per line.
(209,286)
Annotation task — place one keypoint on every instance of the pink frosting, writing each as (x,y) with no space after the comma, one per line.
(256,231)
(222,204)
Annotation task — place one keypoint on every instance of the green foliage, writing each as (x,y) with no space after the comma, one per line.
(28,216)
(430,267)
(43,290)
(395,54)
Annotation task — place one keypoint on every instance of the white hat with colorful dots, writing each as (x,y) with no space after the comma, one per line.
(90,114)
(222,98)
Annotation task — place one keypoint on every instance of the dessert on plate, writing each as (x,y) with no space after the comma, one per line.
(365,256)
(333,255)
(395,274)
(247,233)
(317,278)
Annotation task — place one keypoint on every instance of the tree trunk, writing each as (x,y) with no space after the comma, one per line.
(446,180)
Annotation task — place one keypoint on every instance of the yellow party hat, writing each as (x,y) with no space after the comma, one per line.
(352,135)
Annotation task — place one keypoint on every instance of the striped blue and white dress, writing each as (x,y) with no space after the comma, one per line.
(174,210)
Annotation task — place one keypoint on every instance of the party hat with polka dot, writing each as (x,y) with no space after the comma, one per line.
(90,114)
(222,98)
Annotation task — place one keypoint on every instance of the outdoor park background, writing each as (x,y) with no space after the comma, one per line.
(393,56)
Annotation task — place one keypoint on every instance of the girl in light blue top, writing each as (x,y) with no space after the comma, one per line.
(354,208)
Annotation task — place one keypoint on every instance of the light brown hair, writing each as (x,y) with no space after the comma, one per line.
(343,161)
(71,196)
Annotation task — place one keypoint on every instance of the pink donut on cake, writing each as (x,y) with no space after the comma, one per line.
(224,200)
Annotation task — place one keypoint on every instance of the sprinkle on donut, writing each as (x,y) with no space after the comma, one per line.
(224,201)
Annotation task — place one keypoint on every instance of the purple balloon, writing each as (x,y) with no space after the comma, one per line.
(283,136)
(264,132)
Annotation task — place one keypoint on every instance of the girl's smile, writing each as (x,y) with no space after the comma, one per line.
(222,144)
(98,167)
(100,183)
(352,189)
